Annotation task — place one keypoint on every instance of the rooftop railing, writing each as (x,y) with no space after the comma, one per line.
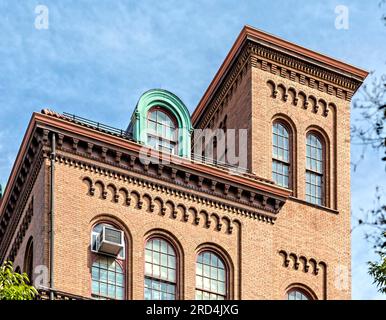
(128,136)
(99,126)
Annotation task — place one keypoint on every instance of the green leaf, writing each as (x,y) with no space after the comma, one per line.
(15,286)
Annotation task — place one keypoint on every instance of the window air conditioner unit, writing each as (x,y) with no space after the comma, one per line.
(110,241)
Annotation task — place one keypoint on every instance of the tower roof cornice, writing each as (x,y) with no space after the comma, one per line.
(272,49)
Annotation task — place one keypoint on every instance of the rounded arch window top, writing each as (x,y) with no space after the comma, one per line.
(163,116)
(314,140)
(299,291)
(296,294)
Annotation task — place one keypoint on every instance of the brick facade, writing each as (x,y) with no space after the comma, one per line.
(270,238)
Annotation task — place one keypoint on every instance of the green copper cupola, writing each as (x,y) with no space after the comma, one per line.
(162,121)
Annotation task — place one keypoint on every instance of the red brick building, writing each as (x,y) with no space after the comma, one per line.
(125,228)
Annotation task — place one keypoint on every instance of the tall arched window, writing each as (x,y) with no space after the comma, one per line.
(160,270)
(298,294)
(162,130)
(108,268)
(211,277)
(28,259)
(314,170)
(281,159)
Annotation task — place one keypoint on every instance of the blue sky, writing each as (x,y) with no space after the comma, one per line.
(97,57)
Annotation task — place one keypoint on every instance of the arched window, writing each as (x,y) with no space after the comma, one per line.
(211,277)
(108,271)
(281,159)
(162,131)
(298,294)
(314,170)
(107,279)
(160,270)
(28,259)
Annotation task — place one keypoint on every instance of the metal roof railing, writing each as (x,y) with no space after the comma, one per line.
(217,163)
(99,126)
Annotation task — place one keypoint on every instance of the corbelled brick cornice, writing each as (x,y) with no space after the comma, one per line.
(254,48)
